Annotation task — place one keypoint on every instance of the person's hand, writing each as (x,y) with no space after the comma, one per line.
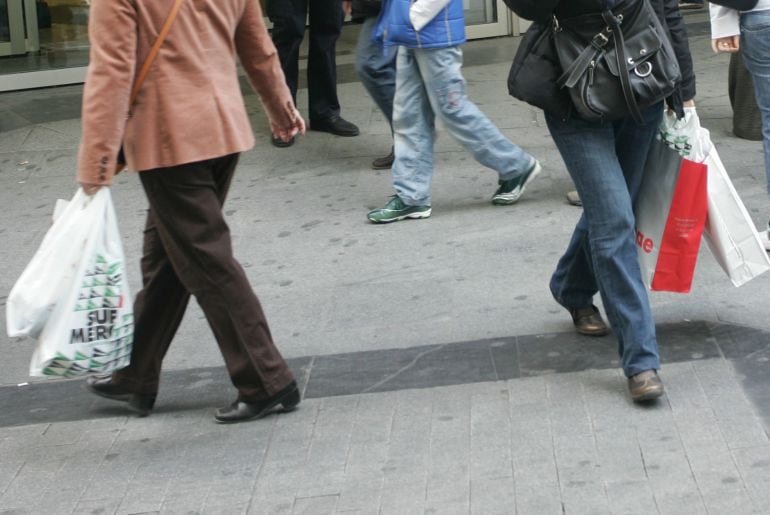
(688,103)
(729,44)
(90,189)
(287,133)
(347,7)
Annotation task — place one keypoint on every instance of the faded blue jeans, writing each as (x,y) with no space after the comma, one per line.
(429,83)
(376,67)
(755,47)
(606,163)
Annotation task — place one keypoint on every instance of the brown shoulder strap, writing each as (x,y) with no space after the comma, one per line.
(155,50)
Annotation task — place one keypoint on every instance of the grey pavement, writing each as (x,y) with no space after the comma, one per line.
(439,375)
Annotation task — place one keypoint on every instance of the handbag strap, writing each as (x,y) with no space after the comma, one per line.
(620,54)
(154,51)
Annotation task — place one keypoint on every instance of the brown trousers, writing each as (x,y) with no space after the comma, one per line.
(187,250)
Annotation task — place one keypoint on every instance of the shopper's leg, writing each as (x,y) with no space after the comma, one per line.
(325,22)
(288,18)
(755,47)
(187,201)
(158,310)
(442,75)
(376,67)
(413,126)
(600,172)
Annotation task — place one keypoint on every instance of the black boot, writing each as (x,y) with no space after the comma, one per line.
(384,162)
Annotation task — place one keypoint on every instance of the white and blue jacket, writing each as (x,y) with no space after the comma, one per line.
(421,23)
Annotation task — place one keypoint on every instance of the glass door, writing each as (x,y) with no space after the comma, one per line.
(43,43)
(486,18)
(18,27)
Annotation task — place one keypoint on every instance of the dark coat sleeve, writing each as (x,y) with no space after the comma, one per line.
(671,18)
(365,9)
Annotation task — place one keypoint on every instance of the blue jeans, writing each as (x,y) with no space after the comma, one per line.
(606,163)
(376,67)
(429,83)
(755,47)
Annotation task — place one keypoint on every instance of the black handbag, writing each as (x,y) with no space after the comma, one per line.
(535,71)
(616,63)
(741,5)
(537,10)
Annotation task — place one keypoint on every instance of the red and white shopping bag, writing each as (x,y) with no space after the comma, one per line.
(671,212)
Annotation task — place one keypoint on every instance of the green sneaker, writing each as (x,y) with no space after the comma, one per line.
(396,210)
(510,191)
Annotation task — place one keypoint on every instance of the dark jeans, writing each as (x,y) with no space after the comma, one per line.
(325,20)
(606,162)
(376,67)
(187,251)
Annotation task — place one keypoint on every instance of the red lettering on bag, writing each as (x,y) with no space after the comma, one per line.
(645,243)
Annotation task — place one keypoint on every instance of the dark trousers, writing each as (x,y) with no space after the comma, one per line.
(325,21)
(187,250)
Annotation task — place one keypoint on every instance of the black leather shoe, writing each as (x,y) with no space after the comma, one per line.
(103,386)
(240,411)
(278,142)
(384,162)
(335,125)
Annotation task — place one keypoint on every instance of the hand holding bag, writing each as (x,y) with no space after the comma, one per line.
(616,64)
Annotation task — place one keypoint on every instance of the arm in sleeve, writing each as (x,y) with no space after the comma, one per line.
(112,34)
(260,60)
(724,21)
(422,12)
(677,31)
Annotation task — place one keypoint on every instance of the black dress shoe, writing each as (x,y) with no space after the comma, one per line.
(278,142)
(384,162)
(240,411)
(104,386)
(335,125)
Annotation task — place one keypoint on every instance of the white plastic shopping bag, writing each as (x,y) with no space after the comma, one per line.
(85,325)
(48,277)
(730,231)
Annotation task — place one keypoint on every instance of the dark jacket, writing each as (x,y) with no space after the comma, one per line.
(365,9)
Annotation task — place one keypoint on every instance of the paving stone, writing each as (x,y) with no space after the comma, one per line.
(490,496)
(97,506)
(315,505)
(754,466)
(630,497)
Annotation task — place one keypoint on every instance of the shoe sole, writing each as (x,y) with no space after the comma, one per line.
(270,408)
(506,199)
(648,396)
(127,398)
(598,332)
(342,134)
(414,216)
(382,167)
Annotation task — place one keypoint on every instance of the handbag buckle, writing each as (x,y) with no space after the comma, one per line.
(600,40)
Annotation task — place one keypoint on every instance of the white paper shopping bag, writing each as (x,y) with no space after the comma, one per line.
(730,231)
